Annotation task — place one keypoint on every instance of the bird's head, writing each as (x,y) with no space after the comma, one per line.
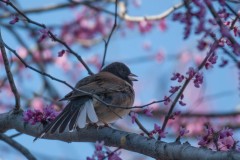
(121,70)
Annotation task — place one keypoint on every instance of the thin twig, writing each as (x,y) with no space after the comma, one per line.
(185,85)
(142,127)
(16,135)
(17,146)
(110,35)
(9,75)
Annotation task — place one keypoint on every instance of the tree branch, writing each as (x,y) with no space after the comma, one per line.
(9,75)
(110,35)
(123,13)
(17,146)
(116,138)
(51,7)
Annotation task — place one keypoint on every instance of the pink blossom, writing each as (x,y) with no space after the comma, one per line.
(112,155)
(43,34)
(236,31)
(174,89)
(213,58)
(63,63)
(182,103)
(148,111)
(33,116)
(173,116)
(99,153)
(162,25)
(130,24)
(95,60)
(226,132)
(99,145)
(144,26)
(22,52)
(200,27)
(14,20)
(183,131)
(208,65)
(236,49)
(37,103)
(159,56)
(223,63)
(223,13)
(198,80)
(133,115)
(202,45)
(177,76)
(227,143)
(221,42)
(207,137)
(61,53)
(167,100)
(157,129)
(212,21)
(178,16)
(137,3)
(147,45)
(47,55)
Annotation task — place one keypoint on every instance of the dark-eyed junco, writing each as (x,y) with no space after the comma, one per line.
(112,85)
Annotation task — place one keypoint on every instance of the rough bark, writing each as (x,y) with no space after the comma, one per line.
(129,141)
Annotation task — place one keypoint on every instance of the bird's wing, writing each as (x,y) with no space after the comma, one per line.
(103,82)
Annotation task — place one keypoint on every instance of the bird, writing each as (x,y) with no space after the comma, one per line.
(112,85)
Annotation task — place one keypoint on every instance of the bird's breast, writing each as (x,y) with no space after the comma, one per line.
(109,114)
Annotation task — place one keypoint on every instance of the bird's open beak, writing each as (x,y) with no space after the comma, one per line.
(131,77)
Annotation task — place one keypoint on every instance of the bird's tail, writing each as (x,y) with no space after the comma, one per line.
(74,115)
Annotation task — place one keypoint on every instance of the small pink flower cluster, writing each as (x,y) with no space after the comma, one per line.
(220,140)
(14,20)
(33,116)
(157,130)
(211,61)
(147,25)
(133,115)
(102,152)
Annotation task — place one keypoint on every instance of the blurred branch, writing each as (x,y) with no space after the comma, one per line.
(51,35)
(233,1)
(129,141)
(110,35)
(161,113)
(9,75)
(232,10)
(52,7)
(17,146)
(15,135)
(123,13)
(219,21)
